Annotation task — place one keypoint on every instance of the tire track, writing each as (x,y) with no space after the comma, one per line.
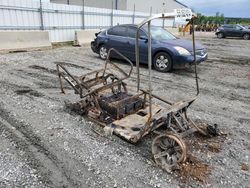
(50,168)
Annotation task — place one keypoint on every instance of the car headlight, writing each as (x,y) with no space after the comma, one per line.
(182,51)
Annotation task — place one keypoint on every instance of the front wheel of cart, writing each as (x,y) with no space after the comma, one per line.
(168,151)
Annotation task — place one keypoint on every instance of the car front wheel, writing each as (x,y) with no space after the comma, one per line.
(162,62)
(246,36)
(103,52)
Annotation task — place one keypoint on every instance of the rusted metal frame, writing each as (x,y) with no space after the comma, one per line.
(191,22)
(194,51)
(105,87)
(144,99)
(153,128)
(94,81)
(71,84)
(116,82)
(72,77)
(119,103)
(150,69)
(147,128)
(90,73)
(197,128)
(137,52)
(97,121)
(159,98)
(170,123)
(185,113)
(125,58)
(178,122)
(122,71)
(184,117)
(60,79)
(187,132)
(96,97)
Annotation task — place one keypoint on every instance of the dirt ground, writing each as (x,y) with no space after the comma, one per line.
(43,144)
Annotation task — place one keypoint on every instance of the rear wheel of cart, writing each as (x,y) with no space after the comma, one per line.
(168,151)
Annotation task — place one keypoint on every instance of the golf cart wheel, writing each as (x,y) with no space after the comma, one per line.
(168,151)
(162,62)
(246,36)
(103,52)
(220,35)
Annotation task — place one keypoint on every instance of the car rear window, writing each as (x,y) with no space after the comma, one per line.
(118,31)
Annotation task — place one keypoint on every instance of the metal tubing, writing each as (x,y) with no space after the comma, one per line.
(121,55)
(150,68)
(159,98)
(137,59)
(194,51)
(137,50)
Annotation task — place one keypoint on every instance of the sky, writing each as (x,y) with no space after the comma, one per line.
(230,8)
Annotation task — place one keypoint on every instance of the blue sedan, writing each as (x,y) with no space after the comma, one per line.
(168,52)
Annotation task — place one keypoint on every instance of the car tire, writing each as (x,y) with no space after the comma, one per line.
(246,36)
(103,52)
(162,62)
(220,35)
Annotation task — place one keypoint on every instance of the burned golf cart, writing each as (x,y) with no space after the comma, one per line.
(106,99)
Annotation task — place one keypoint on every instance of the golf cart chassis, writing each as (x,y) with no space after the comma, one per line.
(106,101)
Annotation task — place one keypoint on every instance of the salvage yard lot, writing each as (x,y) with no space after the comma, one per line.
(43,144)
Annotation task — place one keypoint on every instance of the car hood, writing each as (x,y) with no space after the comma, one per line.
(187,44)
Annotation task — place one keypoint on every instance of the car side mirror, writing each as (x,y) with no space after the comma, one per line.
(145,38)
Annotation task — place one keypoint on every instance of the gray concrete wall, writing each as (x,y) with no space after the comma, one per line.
(157,5)
(121,4)
(24,40)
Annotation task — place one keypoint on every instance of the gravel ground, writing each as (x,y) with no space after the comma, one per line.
(43,144)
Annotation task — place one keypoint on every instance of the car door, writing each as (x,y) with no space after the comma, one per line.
(131,41)
(236,32)
(117,39)
(228,30)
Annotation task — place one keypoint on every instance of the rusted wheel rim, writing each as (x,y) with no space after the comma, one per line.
(168,151)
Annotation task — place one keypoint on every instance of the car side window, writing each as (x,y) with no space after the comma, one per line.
(132,32)
(118,31)
(238,27)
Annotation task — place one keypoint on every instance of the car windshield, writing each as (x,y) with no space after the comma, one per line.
(158,33)
(241,26)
